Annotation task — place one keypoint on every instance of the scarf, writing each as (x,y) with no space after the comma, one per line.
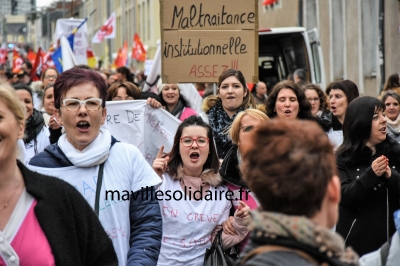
(94,154)
(220,121)
(394,125)
(177,109)
(33,126)
(303,230)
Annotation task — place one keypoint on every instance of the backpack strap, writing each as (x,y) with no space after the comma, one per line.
(98,188)
(264,249)
(385,251)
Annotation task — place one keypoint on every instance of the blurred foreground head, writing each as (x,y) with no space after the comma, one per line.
(291,168)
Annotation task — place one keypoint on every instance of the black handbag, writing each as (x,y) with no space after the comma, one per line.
(215,256)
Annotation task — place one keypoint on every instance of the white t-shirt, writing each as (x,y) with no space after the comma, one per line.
(188,224)
(335,137)
(125,170)
(42,141)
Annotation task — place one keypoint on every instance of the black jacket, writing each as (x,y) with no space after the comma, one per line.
(368,201)
(327,121)
(230,171)
(72,229)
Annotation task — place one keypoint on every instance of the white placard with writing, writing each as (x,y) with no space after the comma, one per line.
(64,27)
(137,123)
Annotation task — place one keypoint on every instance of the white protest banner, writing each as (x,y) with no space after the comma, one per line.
(137,123)
(64,27)
(147,66)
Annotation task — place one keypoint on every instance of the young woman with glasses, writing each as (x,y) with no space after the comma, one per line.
(193,201)
(317,99)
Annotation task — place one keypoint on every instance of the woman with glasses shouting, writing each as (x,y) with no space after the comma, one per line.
(101,168)
(193,201)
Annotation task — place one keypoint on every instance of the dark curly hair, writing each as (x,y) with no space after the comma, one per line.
(321,95)
(304,105)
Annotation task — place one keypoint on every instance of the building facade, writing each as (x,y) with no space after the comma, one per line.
(359,38)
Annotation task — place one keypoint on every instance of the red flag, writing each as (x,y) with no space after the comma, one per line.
(38,66)
(47,60)
(17,61)
(31,56)
(138,51)
(118,60)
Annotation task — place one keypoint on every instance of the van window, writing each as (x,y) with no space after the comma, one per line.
(280,54)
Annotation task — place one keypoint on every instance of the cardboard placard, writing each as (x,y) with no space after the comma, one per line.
(202,39)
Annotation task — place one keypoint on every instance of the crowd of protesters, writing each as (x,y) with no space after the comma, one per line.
(315,171)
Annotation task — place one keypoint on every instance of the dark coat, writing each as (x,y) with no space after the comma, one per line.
(144,212)
(327,121)
(368,201)
(72,229)
(230,171)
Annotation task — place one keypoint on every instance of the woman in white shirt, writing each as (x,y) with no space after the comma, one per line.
(193,201)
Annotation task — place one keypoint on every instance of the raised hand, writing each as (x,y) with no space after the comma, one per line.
(160,164)
(53,124)
(153,103)
(380,165)
(243,210)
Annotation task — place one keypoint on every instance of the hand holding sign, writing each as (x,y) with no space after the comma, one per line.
(160,164)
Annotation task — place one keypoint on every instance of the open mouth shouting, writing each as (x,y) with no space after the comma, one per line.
(194,156)
(83,126)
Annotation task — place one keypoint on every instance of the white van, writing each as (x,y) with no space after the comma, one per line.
(283,50)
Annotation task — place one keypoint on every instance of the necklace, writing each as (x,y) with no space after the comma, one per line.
(6,204)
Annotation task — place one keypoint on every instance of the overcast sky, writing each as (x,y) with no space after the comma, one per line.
(40,3)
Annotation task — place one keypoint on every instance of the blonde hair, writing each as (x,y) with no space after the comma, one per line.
(235,127)
(11,100)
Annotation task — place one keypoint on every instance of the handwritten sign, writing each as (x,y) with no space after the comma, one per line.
(202,39)
(64,27)
(135,122)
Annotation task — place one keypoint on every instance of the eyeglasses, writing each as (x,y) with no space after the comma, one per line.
(50,77)
(313,99)
(188,141)
(92,104)
(246,129)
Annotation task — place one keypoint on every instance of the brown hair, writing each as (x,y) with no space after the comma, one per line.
(289,165)
(248,100)
(323,99)
(131,90)
(304,105)
(44,72)
(51,85)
